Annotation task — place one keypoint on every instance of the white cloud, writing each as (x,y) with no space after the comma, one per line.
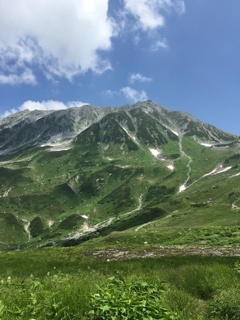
(49,105)
(138,77)
(44,105)
(150,14)
(145,13)
(63,37)
(133,94)
(159,44)
(110,92)
(129,93)
(26,77)
(8,113)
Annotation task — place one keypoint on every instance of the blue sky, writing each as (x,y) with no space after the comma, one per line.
(182,54)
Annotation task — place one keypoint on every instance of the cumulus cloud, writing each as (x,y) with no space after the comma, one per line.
(26,77)
(129,93)
(133,94)
(44,105)
(150,14)
(134,77)
(63,37)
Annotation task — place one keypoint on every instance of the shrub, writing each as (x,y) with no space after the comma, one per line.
(237,266)
(117,299)
(225,305)
(54,297)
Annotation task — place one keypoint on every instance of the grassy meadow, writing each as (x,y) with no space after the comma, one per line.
(81,283)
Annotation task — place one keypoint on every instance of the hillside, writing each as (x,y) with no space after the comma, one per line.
(71,175)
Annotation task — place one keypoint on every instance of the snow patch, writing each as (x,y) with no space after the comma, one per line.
(130,135)
(61,146)
(5,195)
(175,132)
(235,175)
(124,167)
(84,216)
(208,145)
(217,170)
(50,223)
(211,173)
(223,170)
(154,152)
(182,188)
(167,163)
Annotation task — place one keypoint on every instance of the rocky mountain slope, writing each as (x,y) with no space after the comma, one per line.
(70,175)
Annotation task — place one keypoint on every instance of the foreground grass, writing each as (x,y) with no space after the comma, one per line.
(58,283)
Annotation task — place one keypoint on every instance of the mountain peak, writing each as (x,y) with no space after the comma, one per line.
(35,128)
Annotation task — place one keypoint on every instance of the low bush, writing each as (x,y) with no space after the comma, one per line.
(225,305)
(118,299)
(54,297)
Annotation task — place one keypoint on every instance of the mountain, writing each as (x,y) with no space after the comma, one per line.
(36,128)
(70,175)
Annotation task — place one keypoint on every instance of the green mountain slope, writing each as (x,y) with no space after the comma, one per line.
(122,169)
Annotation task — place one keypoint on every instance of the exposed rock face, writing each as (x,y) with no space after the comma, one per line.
(35,128)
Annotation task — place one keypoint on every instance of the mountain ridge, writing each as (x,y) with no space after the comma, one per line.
(54,126)
(89,171)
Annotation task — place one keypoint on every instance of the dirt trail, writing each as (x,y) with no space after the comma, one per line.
(143,225)
(161,251)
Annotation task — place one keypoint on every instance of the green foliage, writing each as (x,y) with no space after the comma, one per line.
(36,227)
(34,300)
(120,199)
(70,222)
(156,194)
(66,280)
(40,298)
(11,230)
(237,266)
(10,177)
(225,305)
(120,299)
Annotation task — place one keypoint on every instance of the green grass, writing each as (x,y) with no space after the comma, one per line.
(59,283)
(203,237)
(204,159)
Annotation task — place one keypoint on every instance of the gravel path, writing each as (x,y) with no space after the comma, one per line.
(160,251)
